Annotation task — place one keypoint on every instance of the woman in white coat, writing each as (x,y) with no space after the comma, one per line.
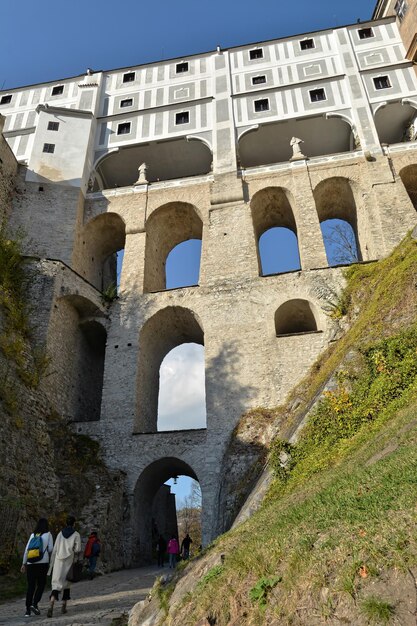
(67,545)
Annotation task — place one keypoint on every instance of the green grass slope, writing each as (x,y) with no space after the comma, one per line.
(336,538)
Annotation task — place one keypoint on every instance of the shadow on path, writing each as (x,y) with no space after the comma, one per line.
(94,601)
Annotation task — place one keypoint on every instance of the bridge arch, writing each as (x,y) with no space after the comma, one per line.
(166,227)
(165,330)
(78,354)
(146,523)
(101,238)
(408,176)
(335,200)
(273,208)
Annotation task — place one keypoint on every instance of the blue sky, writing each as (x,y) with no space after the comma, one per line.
(52,39)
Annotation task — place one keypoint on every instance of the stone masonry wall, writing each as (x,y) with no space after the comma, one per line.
(8,171)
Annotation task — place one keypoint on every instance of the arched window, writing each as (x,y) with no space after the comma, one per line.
(339,242)
(172,224)
(336,209)
(167,329)
(275,231)
(102,240)
(296,317)
(182,395)
(183,264)
(278,251)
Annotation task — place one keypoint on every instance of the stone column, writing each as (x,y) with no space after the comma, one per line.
(310,239)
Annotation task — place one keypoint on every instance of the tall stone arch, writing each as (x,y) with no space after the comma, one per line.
(408,176)
(99,241)
(166,227)
(335,199)
(167,329)
(272,207)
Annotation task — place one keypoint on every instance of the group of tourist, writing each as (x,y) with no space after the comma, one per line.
(43,558)
(173,550)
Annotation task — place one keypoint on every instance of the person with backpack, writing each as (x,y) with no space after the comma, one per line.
(91,552)
(35,563)
(67,545)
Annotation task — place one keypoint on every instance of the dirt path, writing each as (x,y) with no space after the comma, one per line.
(97,601)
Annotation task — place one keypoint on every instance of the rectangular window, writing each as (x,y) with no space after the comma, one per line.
(58,90)
(49,147)
(258,80)
(123,129)
(401,8)
(317,95)
(182,118)
(365,33)
(382,82)
(53,125)
(307,44)
(261,105)
(257,53)
(6,99)
(180,68)
(129,77)
(126,103)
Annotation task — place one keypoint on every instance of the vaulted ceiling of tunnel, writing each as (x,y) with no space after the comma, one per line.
(392,121)
(157,473)
(165,160)
(334,199)
(409,177)
(270,143)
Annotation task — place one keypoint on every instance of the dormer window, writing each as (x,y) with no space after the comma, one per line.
(6,99)
(256,53)
(58,90)
(365,33)
(180,68)
(129,77)
(307,44)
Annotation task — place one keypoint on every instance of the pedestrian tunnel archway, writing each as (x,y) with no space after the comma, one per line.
(154,510)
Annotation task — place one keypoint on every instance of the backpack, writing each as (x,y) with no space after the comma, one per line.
(35,549)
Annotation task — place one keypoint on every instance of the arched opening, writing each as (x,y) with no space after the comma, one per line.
(164,331)
(275,231)
(155,506)
(278,251)
(296,317)
(182,391)
(335,201)
(396,122)
(168,226)
(409,177)
(78,358)
(183,264)
(339,242)
(271,143)
(103,240)
(165,160)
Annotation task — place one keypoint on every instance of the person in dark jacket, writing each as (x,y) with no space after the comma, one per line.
(36,571)
(185,546)
(91,552)
(161,547)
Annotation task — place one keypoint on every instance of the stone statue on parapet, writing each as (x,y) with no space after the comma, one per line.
(297,155)
(142,180)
